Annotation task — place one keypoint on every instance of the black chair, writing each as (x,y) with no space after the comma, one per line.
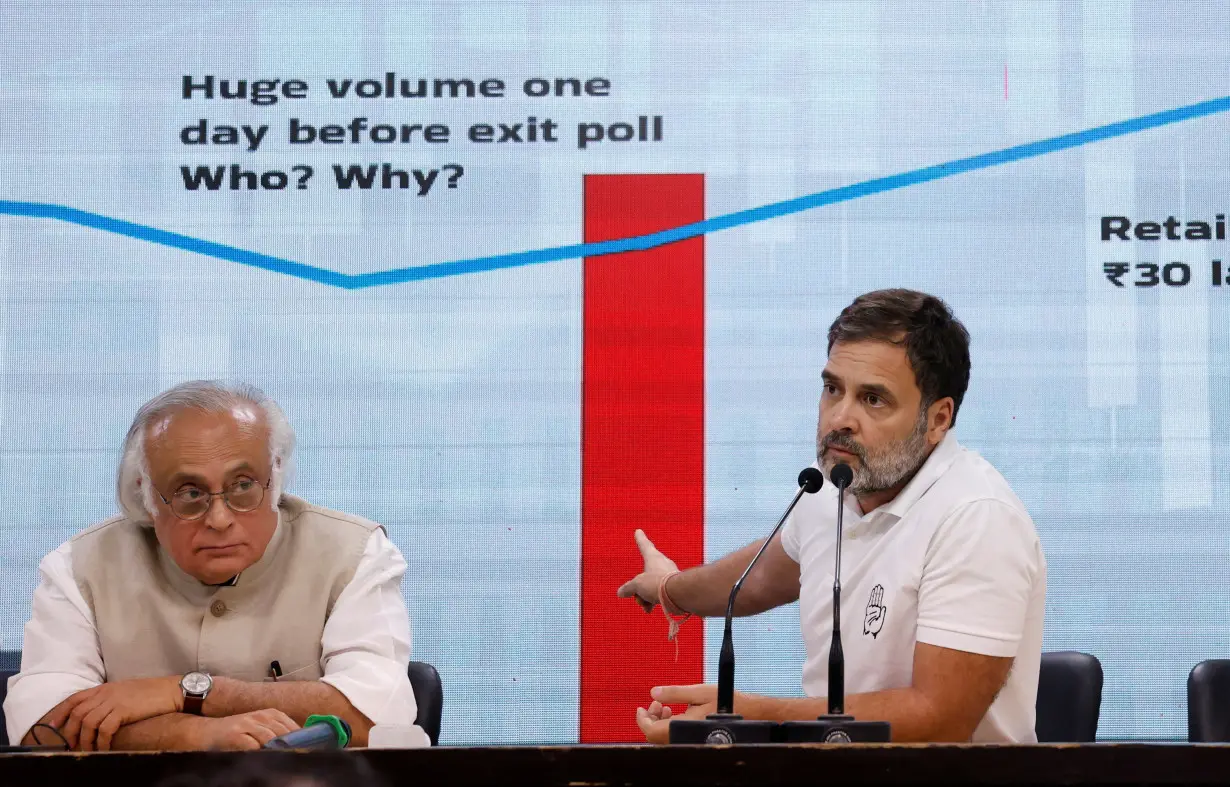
(429,695)
(10,664)
(4,690)
(1208,702)
(1069,697)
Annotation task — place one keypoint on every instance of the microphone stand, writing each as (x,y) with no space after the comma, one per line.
(725,726)
(836,726)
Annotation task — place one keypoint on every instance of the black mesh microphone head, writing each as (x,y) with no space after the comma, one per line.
(811,480)
(841,475)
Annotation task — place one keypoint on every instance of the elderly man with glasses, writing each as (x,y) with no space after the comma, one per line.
(216,612)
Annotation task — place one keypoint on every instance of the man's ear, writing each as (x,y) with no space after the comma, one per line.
(939,419)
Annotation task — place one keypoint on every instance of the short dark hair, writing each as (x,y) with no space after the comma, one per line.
(936,343)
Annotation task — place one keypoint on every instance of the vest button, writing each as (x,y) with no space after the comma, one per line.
(218,608)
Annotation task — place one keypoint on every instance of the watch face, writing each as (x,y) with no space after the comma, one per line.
(196,683)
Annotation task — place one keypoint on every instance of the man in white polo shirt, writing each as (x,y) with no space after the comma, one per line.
(943,577)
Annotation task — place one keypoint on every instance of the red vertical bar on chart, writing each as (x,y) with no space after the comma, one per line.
(643,440)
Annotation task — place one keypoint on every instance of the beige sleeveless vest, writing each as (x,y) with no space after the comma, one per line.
(153,619)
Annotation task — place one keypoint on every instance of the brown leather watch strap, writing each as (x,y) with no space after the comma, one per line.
(193,704)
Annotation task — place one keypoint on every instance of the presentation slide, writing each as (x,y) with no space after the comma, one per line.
(527,276)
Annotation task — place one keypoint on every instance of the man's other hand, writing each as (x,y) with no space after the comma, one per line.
(655,720)
(90,718)
(244,731)
(644,586)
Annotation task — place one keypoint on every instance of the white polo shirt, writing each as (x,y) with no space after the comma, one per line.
(952,561)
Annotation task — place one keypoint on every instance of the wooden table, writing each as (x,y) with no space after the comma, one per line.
(674,766)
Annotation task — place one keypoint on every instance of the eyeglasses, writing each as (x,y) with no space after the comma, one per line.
(241,496)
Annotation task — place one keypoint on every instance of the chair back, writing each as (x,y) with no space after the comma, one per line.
(1208,702)
(429,695)
(10,663)
(1069,697)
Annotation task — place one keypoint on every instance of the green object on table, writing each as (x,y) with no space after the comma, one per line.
(343,733)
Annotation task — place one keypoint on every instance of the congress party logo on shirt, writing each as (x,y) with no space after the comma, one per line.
(876,612)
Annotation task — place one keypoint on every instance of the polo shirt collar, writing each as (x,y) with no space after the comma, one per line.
(933,469)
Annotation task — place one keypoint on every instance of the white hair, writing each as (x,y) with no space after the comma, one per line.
(133,489)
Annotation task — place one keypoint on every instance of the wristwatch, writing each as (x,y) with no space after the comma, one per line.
(196,686)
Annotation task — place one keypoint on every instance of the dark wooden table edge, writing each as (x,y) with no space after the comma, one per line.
(1100,763)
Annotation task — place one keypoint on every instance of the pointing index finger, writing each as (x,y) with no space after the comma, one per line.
(644,544)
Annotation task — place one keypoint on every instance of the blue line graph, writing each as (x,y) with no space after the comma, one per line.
(638,243)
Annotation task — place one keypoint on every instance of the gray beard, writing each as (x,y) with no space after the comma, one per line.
(884,468)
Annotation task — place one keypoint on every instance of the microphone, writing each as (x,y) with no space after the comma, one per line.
(319,732)
(835,726)
(810,481)
(841,475)
(726,726)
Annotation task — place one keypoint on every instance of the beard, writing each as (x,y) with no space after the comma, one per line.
(881,468)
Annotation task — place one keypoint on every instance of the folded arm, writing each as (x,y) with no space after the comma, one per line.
(147,714)
(298,699)
(181,731)
(168,732)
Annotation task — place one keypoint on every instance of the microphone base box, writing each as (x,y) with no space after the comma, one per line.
(730,729)
(722,729)
(835,729)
